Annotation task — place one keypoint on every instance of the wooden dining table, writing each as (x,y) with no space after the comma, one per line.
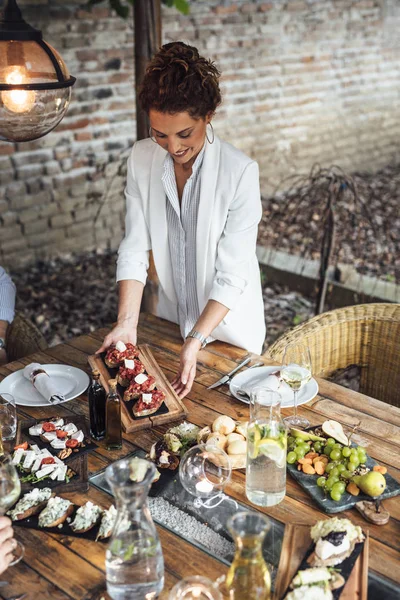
(60,567)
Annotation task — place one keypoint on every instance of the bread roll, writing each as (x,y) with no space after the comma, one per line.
(224,425)
(217,439)
(237,447)
(241,427)
(234,436)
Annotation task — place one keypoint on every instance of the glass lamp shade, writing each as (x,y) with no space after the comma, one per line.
(33,100)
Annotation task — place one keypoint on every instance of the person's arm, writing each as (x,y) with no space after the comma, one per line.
(209,319)
(7,306)
(130,297)
(132,264)
(7,543)
(236,249)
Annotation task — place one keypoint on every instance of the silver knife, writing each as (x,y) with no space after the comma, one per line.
(226,377)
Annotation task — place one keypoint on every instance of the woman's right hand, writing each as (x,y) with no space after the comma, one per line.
(7,543)
(126,331)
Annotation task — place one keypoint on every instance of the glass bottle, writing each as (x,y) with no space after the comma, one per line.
(266,449)
(97,407)
(113,417)
(248,577)
(134,559)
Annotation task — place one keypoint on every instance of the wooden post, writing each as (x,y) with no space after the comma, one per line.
(147,27)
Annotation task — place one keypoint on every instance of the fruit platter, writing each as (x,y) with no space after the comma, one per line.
(336,472)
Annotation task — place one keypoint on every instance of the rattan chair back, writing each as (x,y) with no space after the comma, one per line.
(367,335)
(23,338)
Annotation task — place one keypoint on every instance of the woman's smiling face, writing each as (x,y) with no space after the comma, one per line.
(179,134)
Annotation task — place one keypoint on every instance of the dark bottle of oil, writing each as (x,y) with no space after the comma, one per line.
(113,417)
(97,407)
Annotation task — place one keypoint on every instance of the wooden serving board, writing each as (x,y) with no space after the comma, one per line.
(296,543)
(172,409)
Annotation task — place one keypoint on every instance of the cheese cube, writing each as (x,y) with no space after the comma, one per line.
(141,378)
(146,398)
(129,364)
(120,346)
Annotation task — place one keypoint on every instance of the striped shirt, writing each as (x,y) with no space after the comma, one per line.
(7,297)
(182,225)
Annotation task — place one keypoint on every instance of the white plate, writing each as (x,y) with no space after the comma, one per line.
(70,382)
(254,377)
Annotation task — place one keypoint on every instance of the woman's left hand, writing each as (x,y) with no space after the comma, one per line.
(183,382)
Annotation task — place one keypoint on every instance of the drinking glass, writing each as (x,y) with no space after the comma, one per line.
(195,588)
(10,489)
(204,470)
(296,372)
(8,417)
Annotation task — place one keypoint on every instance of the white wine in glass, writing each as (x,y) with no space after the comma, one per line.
(10,490)
(296,372)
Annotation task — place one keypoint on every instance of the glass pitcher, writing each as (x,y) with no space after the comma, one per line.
(266,449)
(248,577)
(134,559)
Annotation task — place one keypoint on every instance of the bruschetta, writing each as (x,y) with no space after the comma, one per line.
(117,354)
(86,517)
(56,512)
(148,404)
(128,371)
(30,504)
(141,384)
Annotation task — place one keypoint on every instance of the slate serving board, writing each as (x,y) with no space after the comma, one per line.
(65,529)
(347,501)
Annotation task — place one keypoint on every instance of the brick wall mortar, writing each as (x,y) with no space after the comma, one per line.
(303,81)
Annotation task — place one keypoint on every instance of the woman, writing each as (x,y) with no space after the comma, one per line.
(7,305)
(193,200)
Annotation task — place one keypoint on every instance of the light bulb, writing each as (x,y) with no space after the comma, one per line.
(17,101)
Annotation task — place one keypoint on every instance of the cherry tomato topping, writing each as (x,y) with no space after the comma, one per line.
(24,446)
(61,434)
(71,443)
(48,427)
(48,460)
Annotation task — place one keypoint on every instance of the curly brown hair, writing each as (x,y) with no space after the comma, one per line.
(178,79)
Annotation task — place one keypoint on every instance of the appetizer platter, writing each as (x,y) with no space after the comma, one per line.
(227,434)
(44,510)
(37,465)
(148,397)
(64,437)
(325,562)
(335,472)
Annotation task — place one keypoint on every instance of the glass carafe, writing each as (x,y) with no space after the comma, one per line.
(266,449)
(248,577)
(134,559)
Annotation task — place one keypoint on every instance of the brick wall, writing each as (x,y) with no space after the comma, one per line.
(303,81)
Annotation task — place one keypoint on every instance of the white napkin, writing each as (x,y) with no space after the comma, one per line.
(43,383)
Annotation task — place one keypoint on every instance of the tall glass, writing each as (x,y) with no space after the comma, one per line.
(296,372)
(10,490)
(134,559)
(266,449)
(248,577)
(8,417)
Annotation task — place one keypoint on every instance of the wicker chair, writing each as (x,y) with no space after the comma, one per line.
(366,335)
(23,338)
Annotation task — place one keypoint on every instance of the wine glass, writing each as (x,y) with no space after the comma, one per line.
(8,417)
(296,372)
(10,489)
(204,470)
(195,588)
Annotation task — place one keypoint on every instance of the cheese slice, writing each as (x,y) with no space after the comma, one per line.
(70,428)
(50,435)
(47,469)
(141,378)
(35,429)
(36,465)
(129,364)
(120,346)
(61,472)
(79,435)
(58,444)
(147,398)
(18,454)
(59,422)
(35,448)
(29,459)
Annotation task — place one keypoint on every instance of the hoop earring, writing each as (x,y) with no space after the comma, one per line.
(212,129)
(151,135)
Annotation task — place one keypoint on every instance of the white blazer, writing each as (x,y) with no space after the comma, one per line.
(228,217)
